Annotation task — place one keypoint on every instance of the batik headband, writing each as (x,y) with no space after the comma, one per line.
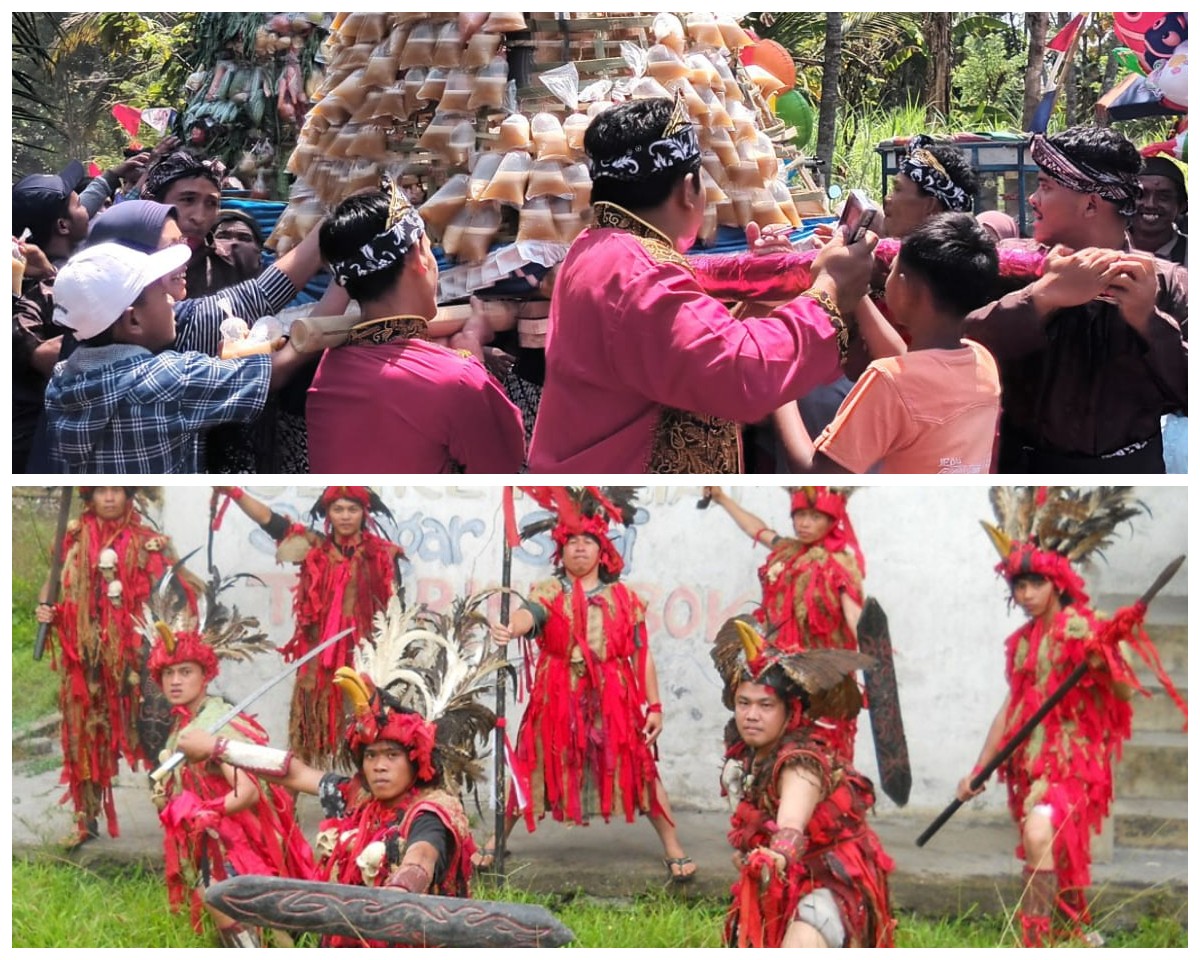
(403,229)
(1124,189)
(677,147)
(926,171)
(180,165)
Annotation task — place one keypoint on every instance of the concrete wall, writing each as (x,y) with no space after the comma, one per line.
(928,563)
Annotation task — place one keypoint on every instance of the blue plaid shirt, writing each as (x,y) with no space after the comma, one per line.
(122,409)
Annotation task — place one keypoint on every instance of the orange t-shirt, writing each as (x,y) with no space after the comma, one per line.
(929,411)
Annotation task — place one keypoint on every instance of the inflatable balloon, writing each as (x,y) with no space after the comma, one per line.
(775,59)
(1152,36)
(795,111)
(1127,60)
(1169,78)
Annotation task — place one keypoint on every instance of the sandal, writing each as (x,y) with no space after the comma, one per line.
(676,872)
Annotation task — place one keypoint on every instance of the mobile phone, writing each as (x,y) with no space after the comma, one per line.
(857,215)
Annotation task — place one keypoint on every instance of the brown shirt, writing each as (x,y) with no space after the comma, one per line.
(1083,383)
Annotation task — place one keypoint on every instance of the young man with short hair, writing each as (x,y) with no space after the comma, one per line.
(123,402)
(644,371)
(390,400)
(932,178)
(218,821)
(1094,351)
(933,408)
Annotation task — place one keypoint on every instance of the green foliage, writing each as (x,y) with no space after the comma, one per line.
(989,85)
(35,685)
(855,162)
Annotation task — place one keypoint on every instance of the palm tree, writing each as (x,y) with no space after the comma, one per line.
(1035,27)
(827,124)
(31,62)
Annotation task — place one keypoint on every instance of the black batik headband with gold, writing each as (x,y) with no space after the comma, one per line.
(678,146)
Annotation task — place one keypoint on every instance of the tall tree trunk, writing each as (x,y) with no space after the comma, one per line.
(1035,26)
(939,63)
(827,123)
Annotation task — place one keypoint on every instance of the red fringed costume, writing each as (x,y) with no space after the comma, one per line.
(361,841)
(340,586)
(580,741)
(802,587)
(202,844)
(100,652)
(1066,764)
(843,855)
(1068,761)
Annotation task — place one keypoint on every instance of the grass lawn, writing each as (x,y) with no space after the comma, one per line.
(59,904)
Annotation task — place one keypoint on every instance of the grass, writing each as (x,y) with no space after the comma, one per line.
(57,903)
(34,684)
(855,162)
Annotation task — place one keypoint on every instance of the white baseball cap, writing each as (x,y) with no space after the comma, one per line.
(100,283)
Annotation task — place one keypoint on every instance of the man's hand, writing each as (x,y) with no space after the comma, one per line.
(163,147)
(772,239)
(37,264)
(131,168)
(964,791)
(846,267)
(1134,289)
(196,744)
(44,613)
(501,633)
(1073,277)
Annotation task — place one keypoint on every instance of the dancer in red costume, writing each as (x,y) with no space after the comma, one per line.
(1060,780)
(347,576)
(218,821)
(812,871)
(586,741)
(812,582)
(397,821)
(113,559)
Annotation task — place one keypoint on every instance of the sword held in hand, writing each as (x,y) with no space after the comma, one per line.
(175,759)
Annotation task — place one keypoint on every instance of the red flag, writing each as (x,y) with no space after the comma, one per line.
(128,117)
(1063,38)
(93,169)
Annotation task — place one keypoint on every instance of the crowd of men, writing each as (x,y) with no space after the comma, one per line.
(964,349)
(386,729)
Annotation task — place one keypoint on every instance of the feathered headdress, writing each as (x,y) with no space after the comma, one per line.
(818,683)
(831,501)
(216,632)
(584,510)
(1044,530)
(417,685)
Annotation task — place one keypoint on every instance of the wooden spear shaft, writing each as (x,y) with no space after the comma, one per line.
(56,565)
(501,760)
